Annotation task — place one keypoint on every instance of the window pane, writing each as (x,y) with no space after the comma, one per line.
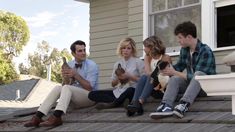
(225,26)
(158,5)
(165,23)
(174,3)
(188,2)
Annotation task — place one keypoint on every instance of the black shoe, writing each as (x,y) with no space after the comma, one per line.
(126,103)
(180,109)
(136,107)
(129,113)
(100,106)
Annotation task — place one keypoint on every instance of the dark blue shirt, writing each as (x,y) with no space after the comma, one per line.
(202,60)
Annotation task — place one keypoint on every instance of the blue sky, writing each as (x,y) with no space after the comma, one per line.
(59,22)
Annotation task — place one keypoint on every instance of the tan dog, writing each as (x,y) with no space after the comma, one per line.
(66,80)
(158,80)
(120,75)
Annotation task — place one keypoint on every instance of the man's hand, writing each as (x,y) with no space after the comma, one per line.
(68,72)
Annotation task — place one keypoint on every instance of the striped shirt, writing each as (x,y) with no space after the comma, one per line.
(202,60)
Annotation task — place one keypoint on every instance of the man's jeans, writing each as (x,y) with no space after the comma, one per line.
(177,85)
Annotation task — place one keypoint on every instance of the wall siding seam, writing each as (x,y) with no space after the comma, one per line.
(110,41)
(134,3)
(94,23)
(93,5)
(94,57)
(108,36)
(104,11)
(110,29)
(104,50)
(103,44)
(101,13)
(107,16)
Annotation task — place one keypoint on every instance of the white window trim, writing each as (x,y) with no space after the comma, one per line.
(208,22)
(145,22)
(221,3)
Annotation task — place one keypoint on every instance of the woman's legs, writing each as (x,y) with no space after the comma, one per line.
(105,96)
(139,88)
(128,94)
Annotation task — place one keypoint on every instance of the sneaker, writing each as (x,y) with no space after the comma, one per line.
(180,109)
(163,110)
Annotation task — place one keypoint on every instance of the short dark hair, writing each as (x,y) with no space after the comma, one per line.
(73,45)
(186,28)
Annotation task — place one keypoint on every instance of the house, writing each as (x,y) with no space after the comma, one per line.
(112,20)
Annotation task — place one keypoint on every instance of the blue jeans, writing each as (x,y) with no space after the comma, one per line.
(143,89)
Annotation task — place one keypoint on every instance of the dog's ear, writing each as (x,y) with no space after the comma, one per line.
(119,70)
(119,66)
(162,64)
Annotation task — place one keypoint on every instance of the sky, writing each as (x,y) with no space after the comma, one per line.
(59,22)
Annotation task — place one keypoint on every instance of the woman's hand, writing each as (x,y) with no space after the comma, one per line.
(157,87)
(168,71)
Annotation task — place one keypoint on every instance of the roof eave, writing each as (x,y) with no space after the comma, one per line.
(84,1)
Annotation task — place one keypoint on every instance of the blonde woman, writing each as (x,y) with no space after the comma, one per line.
(134,68)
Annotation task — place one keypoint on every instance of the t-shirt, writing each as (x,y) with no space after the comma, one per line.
(133,66)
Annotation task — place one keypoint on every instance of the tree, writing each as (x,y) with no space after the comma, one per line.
(23,69)
(7,72)
(43,57)
(14,34)
(38,59)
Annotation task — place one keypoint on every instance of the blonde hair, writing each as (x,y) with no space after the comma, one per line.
(123,43)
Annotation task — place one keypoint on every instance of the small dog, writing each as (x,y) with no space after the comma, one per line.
(157,79)
(163,80)
(120,72)
(67,80)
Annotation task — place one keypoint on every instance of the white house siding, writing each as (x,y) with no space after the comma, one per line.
(108,25)
(135,23)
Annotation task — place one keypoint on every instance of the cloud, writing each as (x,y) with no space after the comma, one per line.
(44,34)
(41,19)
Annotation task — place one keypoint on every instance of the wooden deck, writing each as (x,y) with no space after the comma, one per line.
(207,114)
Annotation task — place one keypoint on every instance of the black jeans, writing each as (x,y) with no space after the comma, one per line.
(107,96)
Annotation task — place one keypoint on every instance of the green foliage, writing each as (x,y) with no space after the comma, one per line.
(23,69)
(43,57)
(7,71)
(14,34)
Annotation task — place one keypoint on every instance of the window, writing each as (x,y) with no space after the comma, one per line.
(225,26)
(164,15)
(217,23)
